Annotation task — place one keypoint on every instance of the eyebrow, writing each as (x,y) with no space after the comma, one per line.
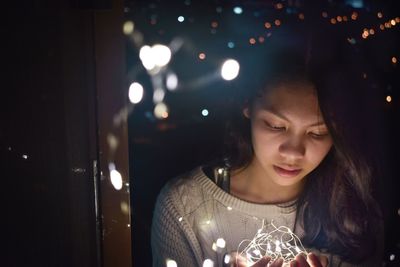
(283,117)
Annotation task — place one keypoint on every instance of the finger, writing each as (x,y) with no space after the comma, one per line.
(324,261)
(313,260)
(262,262)
(301,261)
(277,263)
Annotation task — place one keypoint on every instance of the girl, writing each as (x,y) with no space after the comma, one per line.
(291,163)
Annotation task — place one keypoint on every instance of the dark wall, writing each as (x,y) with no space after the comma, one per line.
(47,114)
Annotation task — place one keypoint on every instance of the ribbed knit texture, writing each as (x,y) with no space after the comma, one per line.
(192,213)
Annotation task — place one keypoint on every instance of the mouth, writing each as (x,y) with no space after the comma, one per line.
(287,172)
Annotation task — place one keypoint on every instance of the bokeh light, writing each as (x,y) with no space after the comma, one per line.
(158,95)
(238,10)
(135,93)
(161,111)
(204,112)
(388,98)
(208,263)
(128,27)
(172,81)
(116,179)
(181,18)
(171,263)
(230,69)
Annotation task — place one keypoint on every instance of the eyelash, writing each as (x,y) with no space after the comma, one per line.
(275,128)
(278,128)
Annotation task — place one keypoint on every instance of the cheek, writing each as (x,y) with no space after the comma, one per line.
(319,151)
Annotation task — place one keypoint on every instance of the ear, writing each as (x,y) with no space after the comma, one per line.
(246,111)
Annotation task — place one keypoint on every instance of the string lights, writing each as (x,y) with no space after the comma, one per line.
(275,242)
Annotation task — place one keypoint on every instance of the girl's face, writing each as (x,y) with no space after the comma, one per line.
(289,136)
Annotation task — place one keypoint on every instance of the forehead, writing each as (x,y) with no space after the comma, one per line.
(290,98)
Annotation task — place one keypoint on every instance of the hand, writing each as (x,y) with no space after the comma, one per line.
(311,261)
(300,261)
(238,261)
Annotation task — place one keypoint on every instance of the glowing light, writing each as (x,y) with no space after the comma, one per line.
(324,14)
(208,263)
(208,222)
(333,20)
(351,40)
(392,257)
(339,18)
(261,39)
(252,41)
(171,263)
(156,56)
(355,3)
(354,15)
(227,258)
(204,112)
(393,22)
(171,81)
(397,19)
(279,6)
(301,16)
(158,95)
(237,10)
(124,207)
(380,15)
(221,243)
(145,55)
(180,219)
(382,27)
(231,44)
(277,22)
(214,247)
(388,25)
(371,31)
(116,179)
(202,56)
(161,111)
(229,208)
(161,54)
(365,34)
(135,93)
(267,25)
(394,60)
(181,18)
(214,24)
(24,156)
(388,98)
(128,27)
(279,242)
(230,69)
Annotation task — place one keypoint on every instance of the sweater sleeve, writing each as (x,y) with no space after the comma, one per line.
(168,239)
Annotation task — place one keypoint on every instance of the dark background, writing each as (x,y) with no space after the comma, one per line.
(162,149)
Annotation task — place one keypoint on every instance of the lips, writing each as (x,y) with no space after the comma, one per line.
(286,171)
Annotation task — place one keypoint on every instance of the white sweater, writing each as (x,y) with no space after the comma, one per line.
(192,213)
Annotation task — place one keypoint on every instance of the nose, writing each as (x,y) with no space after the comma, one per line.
(292,149)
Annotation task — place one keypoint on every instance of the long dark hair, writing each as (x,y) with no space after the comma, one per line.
(336,208)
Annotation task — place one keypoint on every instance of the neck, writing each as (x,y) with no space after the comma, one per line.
(253,184)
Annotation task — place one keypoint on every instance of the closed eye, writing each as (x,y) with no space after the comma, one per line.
(274,127)
(318,135)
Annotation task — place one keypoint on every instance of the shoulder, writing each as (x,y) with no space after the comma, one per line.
(184,191)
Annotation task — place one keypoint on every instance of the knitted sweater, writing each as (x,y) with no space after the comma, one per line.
(195,220)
